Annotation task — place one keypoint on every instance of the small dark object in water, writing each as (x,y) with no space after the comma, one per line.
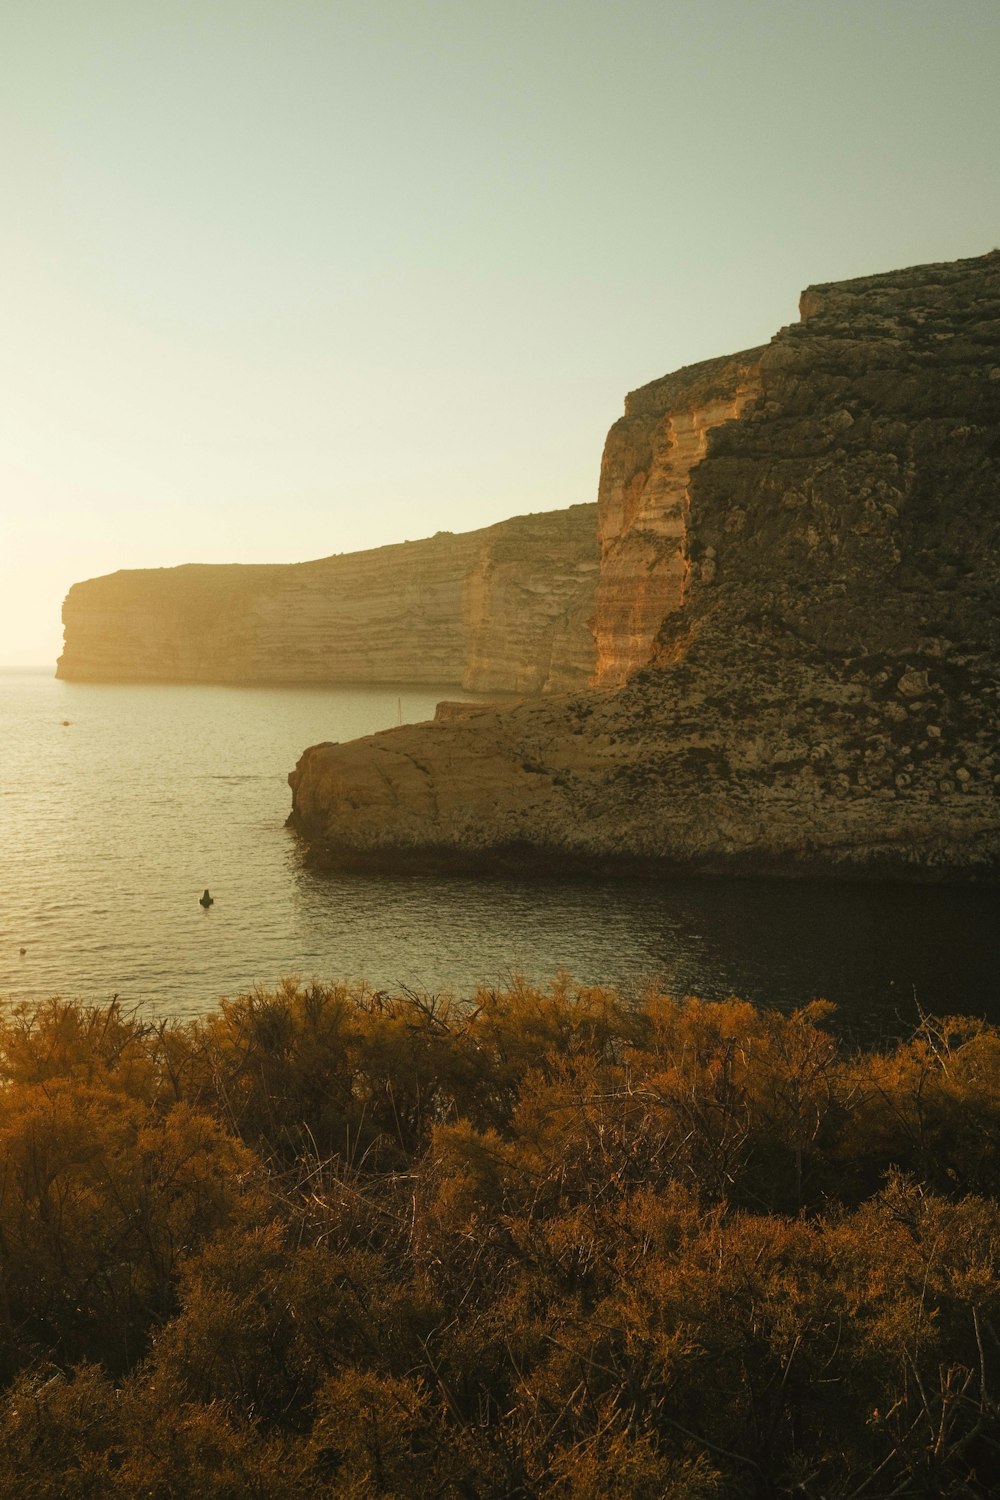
(205,900)
(65,723)
(23,952)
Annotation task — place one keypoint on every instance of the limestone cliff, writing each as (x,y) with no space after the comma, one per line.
(825,697)
(527,602)
(502,609)
(642,502)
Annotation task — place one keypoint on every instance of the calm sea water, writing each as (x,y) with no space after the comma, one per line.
(111,825)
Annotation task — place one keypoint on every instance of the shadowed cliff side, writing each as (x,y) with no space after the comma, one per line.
(824,698)
(504,609)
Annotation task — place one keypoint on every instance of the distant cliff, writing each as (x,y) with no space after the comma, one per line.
(796,625)
(502,609)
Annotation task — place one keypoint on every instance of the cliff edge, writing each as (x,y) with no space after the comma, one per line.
(812,684)
(502,609)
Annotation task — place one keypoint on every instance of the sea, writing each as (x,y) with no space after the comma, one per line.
(121,803)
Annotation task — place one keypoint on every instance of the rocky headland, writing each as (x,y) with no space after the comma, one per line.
(503,609)
(796,627)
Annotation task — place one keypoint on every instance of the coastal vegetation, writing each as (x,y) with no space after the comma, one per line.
(330,1241)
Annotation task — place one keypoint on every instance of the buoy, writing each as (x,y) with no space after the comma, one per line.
(205,900)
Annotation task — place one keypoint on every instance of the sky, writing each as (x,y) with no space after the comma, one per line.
(283,278)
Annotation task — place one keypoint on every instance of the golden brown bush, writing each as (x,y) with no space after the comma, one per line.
(550,1244)
(100,1196)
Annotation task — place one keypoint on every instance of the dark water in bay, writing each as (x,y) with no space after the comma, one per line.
(111,826)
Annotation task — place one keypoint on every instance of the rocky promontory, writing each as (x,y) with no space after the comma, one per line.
(821,693)
(502,609)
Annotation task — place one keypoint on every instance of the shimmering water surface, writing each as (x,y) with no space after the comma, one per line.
(111,825)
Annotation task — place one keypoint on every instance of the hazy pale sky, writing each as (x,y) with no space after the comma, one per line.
(282,278)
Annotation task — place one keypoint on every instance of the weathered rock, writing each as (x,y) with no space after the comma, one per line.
(642,503)
(850,516)
(527,602)
(502,609)
(449,710)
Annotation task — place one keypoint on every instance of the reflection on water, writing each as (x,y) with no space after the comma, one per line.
(882,954)
(111,827)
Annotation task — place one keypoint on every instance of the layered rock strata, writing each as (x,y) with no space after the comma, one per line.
(503,609)
(642,502)
(824,700)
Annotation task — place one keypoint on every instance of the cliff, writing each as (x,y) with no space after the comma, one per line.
(505,608)
(822,693)
(642,502)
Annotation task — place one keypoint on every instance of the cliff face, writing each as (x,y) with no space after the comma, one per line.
(642,502)
(527,602)
(504,609)
(825,697)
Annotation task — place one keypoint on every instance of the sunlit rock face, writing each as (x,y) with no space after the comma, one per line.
(502,609)
(825,698)
(643,502)
(527,602)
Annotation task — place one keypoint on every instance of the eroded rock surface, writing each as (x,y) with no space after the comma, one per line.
(825,698)
(504,609)
(643,503)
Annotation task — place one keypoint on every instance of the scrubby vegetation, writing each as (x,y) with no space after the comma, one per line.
(328,1243)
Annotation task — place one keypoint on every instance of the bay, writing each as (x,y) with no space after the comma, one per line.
(120,803)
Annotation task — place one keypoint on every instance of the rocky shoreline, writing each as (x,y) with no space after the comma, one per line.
(822,693)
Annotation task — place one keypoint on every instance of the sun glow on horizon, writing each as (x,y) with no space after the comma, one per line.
(280,284)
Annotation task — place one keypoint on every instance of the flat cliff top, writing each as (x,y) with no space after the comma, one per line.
(518,530)
(698,382)
(939,280)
